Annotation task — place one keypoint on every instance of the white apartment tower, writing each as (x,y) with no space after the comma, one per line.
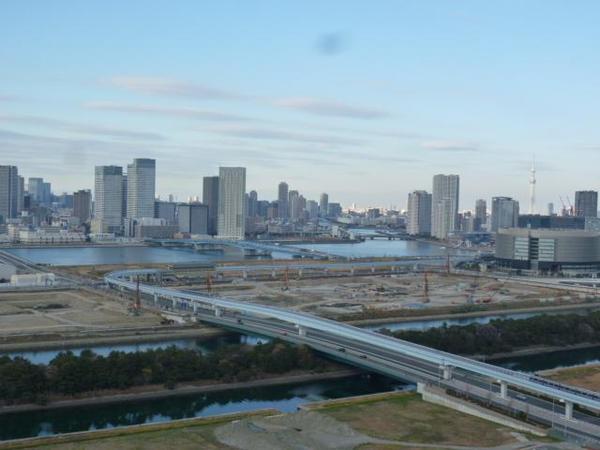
(232,193)
(444,205)
(108,193)
(141,187)
(419,213)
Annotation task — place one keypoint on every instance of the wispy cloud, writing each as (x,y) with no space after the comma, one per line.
(96,130)
(282,135)
(171,87)
(330,108)
(183,112)
(450,146)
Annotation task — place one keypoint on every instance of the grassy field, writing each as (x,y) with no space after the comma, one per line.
(587,377)
(400,417)
(409,419)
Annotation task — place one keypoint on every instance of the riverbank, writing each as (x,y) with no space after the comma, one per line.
(584,376)
(530,351)
(415,316)
(152,392)
(112,337)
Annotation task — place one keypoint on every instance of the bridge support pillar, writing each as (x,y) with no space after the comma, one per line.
(244,275)
(195,307)
(352,271)
(218,312)
(131,279)
(155,299)
(300,273)
(273,274)
(503,389)
(301,331)
(568,410)
(446,372)
(372,269)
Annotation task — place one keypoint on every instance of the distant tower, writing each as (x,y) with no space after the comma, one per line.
(532,188)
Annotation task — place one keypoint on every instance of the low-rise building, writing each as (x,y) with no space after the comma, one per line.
(549,251)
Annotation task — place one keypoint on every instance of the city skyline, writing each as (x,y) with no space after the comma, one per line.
(367,138)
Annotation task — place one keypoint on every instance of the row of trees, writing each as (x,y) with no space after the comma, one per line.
(505,335)
(69,374)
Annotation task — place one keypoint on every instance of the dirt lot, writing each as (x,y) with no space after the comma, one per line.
(68,310)
(334,297)
(587,377)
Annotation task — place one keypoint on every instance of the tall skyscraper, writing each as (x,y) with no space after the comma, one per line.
(419,213)
(294,205)
(82,205)
(35,187)
(252,207)
(21,195)
(232,190)
(141,188)
(166,211)
(505,213)
(324,204)
(108,194)
(480,214)
(586,203)
(210,197)
(283,200)
(9,192)
(46,193)
(444,205)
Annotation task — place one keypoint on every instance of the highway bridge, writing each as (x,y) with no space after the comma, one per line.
(248,247)
(572,409)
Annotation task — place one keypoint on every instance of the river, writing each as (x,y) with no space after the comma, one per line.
(97,255)
(285,398)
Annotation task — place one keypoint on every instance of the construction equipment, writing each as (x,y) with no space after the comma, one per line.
(209,283)
(135,307)
(286,279)
(425,287)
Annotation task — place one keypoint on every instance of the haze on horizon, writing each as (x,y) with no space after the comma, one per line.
(363,101)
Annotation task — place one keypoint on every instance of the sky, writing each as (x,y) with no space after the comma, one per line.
(363,100)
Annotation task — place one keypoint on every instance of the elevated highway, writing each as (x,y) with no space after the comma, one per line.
(550,402)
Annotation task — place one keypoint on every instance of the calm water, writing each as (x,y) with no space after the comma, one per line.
(383,248)
(69,256)
(285,398)
(204,346)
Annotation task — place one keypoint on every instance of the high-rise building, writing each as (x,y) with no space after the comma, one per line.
(419,213)
(252,207)
(210,197)
(550,209)
(294,205)
(232,190)
(46,193)
(124,196)
(9,192)
(324,204)
(108,194)
(21,195)
(480,215)
(166,211)
(313,209)
(192,218)
(141,187)
(35,187)
(82,205)
(283,200)
(505,213)
(586,203)
(444,205)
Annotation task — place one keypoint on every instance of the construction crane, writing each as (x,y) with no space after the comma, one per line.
(209,283)
(135,307)
(286,279)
